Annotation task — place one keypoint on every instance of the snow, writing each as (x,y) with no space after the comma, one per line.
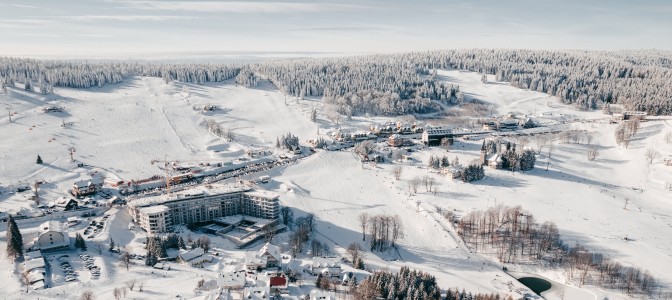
(120,129)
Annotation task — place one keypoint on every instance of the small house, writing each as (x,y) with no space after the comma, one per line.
(494,161)
(453,172)
(322,295)
(195,256)
(232,280)
(272,255)
(278,283)
(253,262)
(257,293)
(87,187)
(66,204)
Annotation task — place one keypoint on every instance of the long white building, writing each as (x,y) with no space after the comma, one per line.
(202,204)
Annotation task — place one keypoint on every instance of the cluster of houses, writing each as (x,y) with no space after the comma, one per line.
(508,122)
(261,274)
(390,128)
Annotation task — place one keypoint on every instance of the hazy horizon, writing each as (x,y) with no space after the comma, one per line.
(140,28)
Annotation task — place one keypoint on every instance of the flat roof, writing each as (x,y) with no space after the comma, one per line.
(154,209)
(201,191)
(262,194)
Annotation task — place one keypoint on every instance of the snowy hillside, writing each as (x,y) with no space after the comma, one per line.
(122,130)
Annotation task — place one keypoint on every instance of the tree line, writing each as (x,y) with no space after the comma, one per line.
(409,284)
(396,84)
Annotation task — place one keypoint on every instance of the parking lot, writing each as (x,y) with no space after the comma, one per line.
(69,268)
(95,227)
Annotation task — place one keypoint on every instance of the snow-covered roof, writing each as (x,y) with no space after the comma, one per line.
(33,264)
(232,280)
(324,262)
(86,182)
(199,191)
(257,293)
(272,250)
(192,254)
(262,194)
(35,275)
(319,295)
(33,254)
(252,258)
(156,209)
(50,226)
(37,285)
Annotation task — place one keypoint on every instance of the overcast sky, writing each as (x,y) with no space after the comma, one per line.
(104,28)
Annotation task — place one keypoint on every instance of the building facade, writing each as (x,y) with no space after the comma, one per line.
(154,219)
(51,236)
(202,206)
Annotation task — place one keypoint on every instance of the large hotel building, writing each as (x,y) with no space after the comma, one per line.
(157,214)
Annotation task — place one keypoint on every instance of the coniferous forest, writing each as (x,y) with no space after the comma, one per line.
(393,84)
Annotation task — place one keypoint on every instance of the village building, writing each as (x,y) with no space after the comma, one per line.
(322,295)
(195,256)
(232,280)
(278,283)
(432,136)
(453,171)
(65,204)
(272,254)
(384,129)
(51,236)
(87,187)
(257,293)
(201,205)
(396,140)
(327,266)
(253,262)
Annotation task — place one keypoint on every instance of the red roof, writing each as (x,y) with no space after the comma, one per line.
(278,281)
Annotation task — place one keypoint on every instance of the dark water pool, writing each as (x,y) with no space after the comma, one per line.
(537,285)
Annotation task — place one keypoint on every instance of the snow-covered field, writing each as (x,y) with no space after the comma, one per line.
(119,129)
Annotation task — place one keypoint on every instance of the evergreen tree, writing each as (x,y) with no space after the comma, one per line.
(111,245)
(39,160)
(181,244)
(79,242)
(318,281)
(360,263)
(14,239)
(527,160)
(150,259)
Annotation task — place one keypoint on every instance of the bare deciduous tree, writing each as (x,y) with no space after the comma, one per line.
(651,155)
(125,259)
(414,184)
(131,284)
(396,171)
(592,154)
(363,219)
(354,250)
(87,295)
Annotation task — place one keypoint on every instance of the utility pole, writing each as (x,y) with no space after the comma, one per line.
(9,111)
(72,150)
